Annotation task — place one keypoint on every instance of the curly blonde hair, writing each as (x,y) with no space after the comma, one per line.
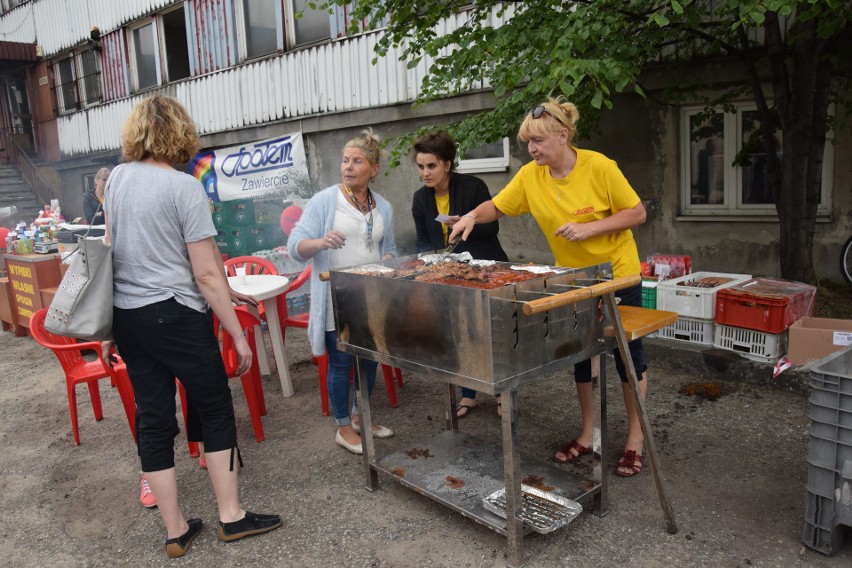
(159,127)
(558,113)
(369,143)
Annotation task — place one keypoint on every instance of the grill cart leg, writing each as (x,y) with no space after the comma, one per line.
(367,443)
(650,446)
(599,444)
(512,477)
(452,419)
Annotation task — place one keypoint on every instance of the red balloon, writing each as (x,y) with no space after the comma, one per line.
(3,232)
(289,217)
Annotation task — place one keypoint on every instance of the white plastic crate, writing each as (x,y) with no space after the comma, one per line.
(691,301)
(756,345)
(694,330)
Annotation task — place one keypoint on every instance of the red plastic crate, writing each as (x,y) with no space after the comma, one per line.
(765,304)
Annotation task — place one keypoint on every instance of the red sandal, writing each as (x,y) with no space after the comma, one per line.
(630,461)
(573,450)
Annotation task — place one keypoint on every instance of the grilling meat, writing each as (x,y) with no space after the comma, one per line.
(460,274)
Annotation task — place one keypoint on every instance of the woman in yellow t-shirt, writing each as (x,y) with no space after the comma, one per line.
(586,209)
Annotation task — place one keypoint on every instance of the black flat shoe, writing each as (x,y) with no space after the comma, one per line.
(177,547)
(251,524)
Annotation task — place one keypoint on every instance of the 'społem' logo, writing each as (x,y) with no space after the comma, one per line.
(585,210)
(264,156)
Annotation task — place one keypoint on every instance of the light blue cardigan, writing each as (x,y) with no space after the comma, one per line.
(316,221)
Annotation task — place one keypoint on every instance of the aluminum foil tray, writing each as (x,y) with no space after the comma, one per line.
(542,511)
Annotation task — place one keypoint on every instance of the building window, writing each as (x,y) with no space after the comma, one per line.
(175,45)
(267,27)
(144,56)
(65,82)
(89,66)
(77,81)
(159,51)
(6,5)
(711,184)
(261,27)
(493,157)
(313,26)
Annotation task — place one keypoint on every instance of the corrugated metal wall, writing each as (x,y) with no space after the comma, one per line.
(114,72)
(212,30)
(333,77)
(18,24)
(60,22)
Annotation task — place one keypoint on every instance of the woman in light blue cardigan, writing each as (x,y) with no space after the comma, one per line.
(344,225)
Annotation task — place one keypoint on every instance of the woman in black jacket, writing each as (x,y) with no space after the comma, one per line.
(450,194)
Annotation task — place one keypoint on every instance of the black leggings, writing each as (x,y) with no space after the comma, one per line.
(160,342)
(583,370)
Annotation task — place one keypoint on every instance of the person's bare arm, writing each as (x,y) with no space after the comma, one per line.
(207,270)
(621,221)
(485,212)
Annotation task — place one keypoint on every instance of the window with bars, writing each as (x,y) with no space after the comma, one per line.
(77,81)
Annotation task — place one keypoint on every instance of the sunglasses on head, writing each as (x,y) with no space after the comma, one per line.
(540,110)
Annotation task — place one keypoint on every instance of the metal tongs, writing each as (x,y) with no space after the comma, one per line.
(448,251)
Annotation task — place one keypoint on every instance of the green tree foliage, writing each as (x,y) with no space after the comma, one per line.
(791,58)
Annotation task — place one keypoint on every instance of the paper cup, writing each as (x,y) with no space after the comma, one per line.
(241,274)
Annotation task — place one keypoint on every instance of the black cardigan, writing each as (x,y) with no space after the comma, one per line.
(466,192)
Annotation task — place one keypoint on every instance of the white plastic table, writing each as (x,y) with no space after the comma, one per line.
(268,288)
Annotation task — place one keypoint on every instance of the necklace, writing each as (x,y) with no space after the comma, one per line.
(364,208)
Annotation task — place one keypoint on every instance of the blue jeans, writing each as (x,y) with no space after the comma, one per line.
(339,366)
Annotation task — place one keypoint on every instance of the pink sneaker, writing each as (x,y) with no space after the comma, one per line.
(145,496)
(202,463)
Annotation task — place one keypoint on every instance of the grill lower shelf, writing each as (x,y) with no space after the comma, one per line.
(462,471)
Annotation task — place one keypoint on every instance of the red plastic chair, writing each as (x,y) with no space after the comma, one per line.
(252,386)
(301,320)
(78,370)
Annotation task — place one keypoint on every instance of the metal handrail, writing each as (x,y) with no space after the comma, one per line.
(17,157)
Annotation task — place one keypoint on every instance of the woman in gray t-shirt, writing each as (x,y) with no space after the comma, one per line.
(167,271)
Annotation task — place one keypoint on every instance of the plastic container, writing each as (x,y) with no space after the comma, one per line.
(828,501)
(765,304)
(756,345)
(649,295)
(679,296)
(693,330)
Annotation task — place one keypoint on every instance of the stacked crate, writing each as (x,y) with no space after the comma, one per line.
(247,225)
(828,499)
(752,317)
(693,297)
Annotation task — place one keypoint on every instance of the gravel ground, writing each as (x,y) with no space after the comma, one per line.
(735,472)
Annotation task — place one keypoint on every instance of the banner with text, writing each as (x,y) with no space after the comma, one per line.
(252,170)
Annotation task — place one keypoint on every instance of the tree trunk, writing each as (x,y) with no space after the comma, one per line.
(801,96)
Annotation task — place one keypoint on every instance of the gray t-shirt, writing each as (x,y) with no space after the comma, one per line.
(153,212)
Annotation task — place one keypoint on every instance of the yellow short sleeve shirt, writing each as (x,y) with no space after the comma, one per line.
(594,189)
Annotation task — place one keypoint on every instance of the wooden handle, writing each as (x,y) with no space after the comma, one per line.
(574,296)
(325,276)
